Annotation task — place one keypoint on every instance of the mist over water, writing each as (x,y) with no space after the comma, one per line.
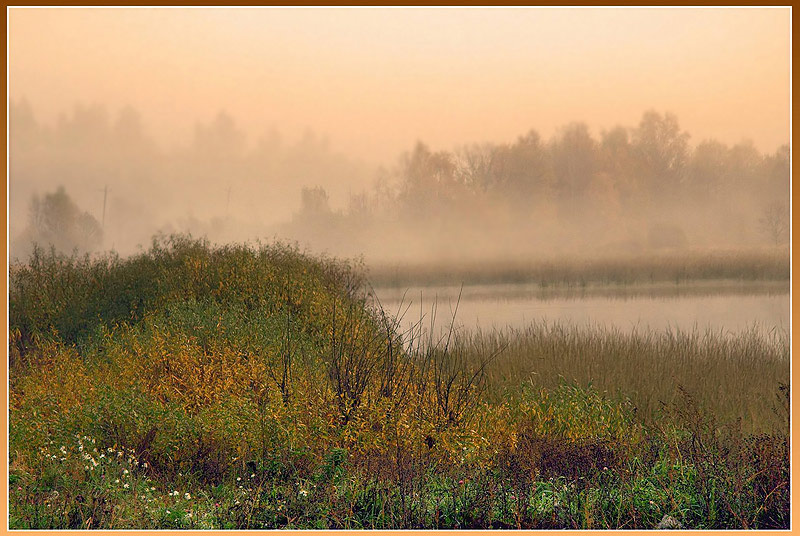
(725,310)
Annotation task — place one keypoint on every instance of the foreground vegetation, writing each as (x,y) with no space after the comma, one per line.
(238,387)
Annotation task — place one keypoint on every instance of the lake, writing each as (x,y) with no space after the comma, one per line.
(729,307)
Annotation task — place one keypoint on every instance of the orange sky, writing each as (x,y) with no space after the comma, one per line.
(376,80)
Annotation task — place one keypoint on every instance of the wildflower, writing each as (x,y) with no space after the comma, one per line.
(153,488)
(189,514)
(102,456)
(303,493)
(187,496)
(124,471)
(460,482)
(253,475)
(126,485)
(167,511)
(116,481)
(238,479)
(86,467)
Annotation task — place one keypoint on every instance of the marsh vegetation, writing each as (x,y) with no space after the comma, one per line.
(194,386)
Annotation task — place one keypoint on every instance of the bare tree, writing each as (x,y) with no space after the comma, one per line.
(774,221)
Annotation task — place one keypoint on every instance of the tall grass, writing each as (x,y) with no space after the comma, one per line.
(257,387)
(733,376)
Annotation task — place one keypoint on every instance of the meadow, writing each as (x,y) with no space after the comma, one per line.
(247,387)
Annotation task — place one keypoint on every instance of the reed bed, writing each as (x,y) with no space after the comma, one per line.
(763,264)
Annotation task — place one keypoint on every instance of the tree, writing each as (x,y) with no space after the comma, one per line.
(427,177)
(475,164)
(574,162)
(222,138)
(616,165)
(314,202)
(775,221)
(662,150)
(55,220)
(709,170)
(523,171)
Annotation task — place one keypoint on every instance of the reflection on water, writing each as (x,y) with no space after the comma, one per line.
(720,306)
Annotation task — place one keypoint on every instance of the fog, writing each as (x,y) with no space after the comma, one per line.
(410,135)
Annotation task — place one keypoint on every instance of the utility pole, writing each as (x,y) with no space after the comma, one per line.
(228,203)
(105,196)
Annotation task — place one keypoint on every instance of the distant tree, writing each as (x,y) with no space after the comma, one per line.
(427,177)
(708,170)
(775,221)
(475,166)
(221,138)
(55,220)
(662,149)
(574,162)
(314,202)
(616,162)
(776,170)
(358,206)
(524,170)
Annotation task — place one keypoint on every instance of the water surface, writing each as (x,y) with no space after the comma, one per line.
(729,307)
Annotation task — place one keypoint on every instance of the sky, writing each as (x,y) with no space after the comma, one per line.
(374,81)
